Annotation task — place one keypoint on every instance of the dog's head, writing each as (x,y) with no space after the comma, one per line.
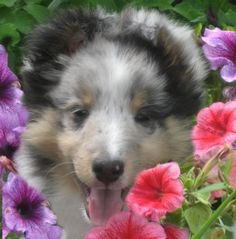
(109,95)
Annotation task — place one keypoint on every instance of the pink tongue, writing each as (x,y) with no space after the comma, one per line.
(102,204)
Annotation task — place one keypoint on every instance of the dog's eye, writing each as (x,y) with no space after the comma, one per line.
(142,118)
(80,114)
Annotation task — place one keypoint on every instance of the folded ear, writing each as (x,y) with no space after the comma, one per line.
(184,67)
(50,47)
(179,57)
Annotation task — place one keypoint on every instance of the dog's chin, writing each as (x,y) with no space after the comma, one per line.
(102,203)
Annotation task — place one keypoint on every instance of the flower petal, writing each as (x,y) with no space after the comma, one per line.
(228,72)
(173,232)
(156,191)
(126,225)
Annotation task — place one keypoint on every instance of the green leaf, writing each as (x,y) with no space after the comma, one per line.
(4,13)
(32,1)
(188,178)
(215,233)
(8,3)
(196,216)
(229,28)
(198,29)
(14,58)
(40,13)
(161,4)
(191,13)
(22,21)
(175,217)
(202,197)
(227,18)
(8,32)
(211,188)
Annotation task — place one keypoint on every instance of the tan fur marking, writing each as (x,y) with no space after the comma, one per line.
(88,98)
(138,101)
(42,134)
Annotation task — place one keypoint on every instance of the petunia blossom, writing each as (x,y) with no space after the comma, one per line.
(156,191)
(24,209)
(220,50)
(174,232)
(8,91)
(5,164)
(13,121)
(49,232)
(13,115)
(216,126)
(127,225)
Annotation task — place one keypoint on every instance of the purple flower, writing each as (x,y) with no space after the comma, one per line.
(8,92)
(220,50)
(50,232)
(13,115)
(24,209)
(12,123)
(229,93)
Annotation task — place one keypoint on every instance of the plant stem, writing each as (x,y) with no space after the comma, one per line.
(214,216)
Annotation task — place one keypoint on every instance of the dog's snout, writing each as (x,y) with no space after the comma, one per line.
(108,171)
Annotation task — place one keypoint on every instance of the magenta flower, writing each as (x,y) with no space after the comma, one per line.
(156,191)
(126,225)
(173,232)
(216,126)
(24,209)
(220,50)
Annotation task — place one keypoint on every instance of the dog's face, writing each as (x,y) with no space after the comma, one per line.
(119,103)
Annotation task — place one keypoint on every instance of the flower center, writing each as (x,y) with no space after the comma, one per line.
(25,209)
(220,131)
(159,194)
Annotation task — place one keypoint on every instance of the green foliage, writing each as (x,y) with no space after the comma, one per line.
(196,216)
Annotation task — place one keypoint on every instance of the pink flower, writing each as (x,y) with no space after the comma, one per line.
(216,126)
(220,50)
(127,225)
(173,232)
(156,191)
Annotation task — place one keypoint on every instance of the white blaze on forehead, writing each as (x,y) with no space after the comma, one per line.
(114,139)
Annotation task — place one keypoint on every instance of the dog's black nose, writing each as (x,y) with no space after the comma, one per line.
(108,171)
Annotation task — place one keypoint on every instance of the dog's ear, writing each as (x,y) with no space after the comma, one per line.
(49,49)
(182,64)
(179,57)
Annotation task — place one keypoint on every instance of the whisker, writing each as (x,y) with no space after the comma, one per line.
(58,165)
(68,174)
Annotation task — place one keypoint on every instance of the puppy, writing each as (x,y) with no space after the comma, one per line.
(109,95)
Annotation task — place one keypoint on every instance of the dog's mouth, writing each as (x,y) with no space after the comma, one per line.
(102,203)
